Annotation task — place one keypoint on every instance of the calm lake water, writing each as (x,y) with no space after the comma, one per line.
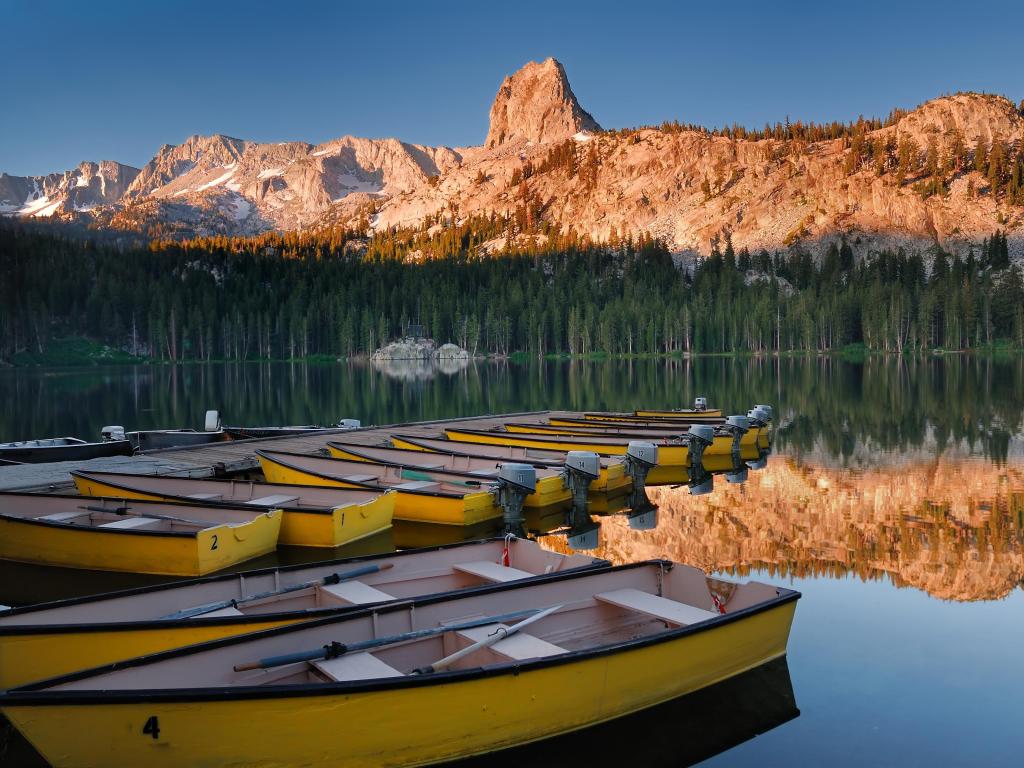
(893,500)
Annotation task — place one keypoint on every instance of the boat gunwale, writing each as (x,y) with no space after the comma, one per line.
(554,437)
(552,463)
(171,498)
(412,491)
(30,629)
(34,694)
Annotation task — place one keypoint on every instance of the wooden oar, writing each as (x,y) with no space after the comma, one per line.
(335,649)
(123,512)
(498,635)
(334,578)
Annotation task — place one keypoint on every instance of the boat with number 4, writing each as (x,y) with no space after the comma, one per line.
(50,639)
(453,675)
(137,537)
(314,516)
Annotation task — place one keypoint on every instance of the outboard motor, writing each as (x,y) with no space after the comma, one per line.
(738,474)
(350,424)
(701,481)
(586,536)
(737,426)
(761,461)
(701,437)
(212,422)
(641,458)
(700,404)
(581,469)
(644,519)
(769,411)
(758,418)
(515,483)
(112,433)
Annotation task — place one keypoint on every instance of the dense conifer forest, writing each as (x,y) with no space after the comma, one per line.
(336,293)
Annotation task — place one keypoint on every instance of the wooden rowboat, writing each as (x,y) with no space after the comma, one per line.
(551,490)
(696,418)
(673,457)
(612,481)
(137,537)
(61,449)
(683,413)
(454,676)
(51,639)
(422,497)
(723,441)
(314,516)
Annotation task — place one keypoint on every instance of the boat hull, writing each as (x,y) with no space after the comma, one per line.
(78,452)
(470,509)
(436,721)
(299,528)
(709,413)
(208,550)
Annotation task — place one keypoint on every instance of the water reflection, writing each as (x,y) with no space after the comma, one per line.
(828,411)
(951,527)
(420,369)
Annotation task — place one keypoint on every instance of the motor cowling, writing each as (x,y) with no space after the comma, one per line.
(757,417)
(769,411)
(585,462)
(112,432)
(643,452)
(700,404)
(212,421)
(350,424)
(523,476)
(701,436)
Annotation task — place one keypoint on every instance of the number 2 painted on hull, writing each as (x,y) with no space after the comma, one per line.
(152,727)
(213,545)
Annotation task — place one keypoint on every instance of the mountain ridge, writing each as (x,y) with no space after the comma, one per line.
(914,183)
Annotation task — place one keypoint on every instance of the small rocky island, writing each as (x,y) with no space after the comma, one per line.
(419,348)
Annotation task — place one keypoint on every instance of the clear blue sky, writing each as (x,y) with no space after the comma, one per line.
(115,80)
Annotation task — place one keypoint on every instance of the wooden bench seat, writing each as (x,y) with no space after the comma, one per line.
(419,485)
(355,666)
(492,571)
(62,517)
(671,611)
(361,478)
(356,592)
(128,523)
(516,647)
(273,500)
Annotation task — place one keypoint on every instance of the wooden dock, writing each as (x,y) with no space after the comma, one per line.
(234,456)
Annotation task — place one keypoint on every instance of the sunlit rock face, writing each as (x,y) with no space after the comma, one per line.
(954,529)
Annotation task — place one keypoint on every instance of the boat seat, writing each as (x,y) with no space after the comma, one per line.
(128,523)
(419,485)
(61,517)
(356,592)
(355,666)
(671,611)
(492,571)
(228,611)
(493,472)
(516,647)
(360,478)
(274,500)
(205,496)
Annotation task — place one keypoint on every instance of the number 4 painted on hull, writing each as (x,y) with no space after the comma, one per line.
(152,727)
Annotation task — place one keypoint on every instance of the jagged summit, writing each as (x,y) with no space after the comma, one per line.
(947,173)
(537,104)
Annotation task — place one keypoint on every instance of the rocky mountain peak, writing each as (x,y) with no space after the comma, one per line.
(537,104)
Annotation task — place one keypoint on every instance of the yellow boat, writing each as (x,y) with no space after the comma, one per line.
(451,677)
(50,639)
(680,414)
(611,482)
(314,516)
(704,417)
(673,458)
(551,488)
(141,537)
(419,497)
(723,442)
